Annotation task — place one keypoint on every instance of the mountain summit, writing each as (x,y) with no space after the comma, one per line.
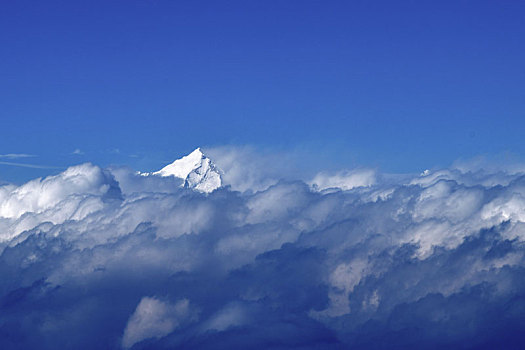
(197,171)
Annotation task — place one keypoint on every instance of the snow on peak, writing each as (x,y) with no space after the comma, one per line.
(197,171)
(182,167)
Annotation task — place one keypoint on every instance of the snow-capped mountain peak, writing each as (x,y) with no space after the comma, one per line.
(182,167)
(197,171)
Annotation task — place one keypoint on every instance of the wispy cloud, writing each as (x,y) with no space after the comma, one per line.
(34,166)
(78,152)
(16,155)
(114,150)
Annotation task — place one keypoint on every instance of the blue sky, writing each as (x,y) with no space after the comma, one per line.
(401,86)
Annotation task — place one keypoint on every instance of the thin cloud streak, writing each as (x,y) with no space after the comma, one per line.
(17,155)
(33,166)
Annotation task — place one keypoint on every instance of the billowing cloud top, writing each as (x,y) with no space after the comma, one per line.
(107,258)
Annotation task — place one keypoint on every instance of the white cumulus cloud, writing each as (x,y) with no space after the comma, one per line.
(96,257)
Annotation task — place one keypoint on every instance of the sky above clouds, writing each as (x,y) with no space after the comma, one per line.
(403,86)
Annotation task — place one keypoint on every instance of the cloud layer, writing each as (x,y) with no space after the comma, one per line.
(104,258)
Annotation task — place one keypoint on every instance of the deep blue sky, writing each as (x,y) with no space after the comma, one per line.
(399,85)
